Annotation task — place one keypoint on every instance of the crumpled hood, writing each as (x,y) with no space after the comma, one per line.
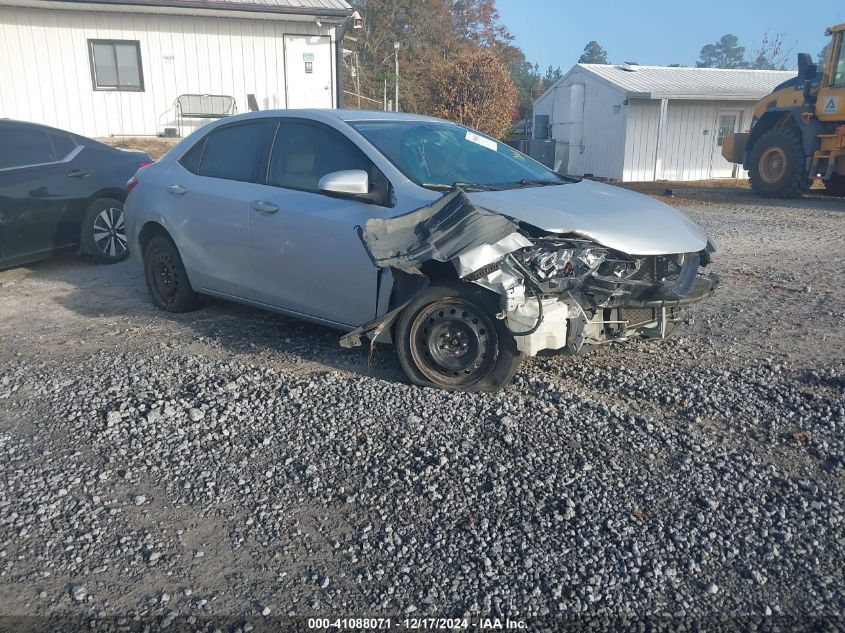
(614,217)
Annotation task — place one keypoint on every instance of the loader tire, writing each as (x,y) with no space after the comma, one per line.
(778,165)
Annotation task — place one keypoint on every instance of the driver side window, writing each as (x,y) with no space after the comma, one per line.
(303,153)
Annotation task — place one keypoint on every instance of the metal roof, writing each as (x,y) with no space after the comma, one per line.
(339,8)
(659,82)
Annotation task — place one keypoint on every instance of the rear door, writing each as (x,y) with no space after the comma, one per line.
(38,192)
(209,191)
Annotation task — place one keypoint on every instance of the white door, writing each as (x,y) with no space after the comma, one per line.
(308,71)
(727,122)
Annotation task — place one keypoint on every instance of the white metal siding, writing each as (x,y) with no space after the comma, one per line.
(690,142)
(600,139)
(642,119)
(688,146)
(45,70)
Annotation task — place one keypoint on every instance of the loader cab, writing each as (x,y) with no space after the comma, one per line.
(830,99)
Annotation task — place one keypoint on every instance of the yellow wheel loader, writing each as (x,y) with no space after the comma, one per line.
(798,131)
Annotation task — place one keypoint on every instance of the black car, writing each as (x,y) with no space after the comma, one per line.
(61,193)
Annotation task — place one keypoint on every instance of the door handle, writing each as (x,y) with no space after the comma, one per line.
(77,173)
(176,190)
(262,206)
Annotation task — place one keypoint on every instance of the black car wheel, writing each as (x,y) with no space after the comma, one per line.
(166,278)
(104,232)
(450,338)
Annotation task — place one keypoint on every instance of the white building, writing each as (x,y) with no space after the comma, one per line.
(116,67)
(642,123)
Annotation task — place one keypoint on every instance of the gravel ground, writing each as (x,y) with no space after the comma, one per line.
(234,465)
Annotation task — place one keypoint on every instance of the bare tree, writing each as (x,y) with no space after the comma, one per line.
(771,53)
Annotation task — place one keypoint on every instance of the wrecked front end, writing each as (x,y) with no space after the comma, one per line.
(556,291)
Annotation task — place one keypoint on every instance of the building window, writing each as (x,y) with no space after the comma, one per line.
(116,65)
(727,125)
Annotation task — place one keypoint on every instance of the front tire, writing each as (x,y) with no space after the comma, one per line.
(449,338)
(166,278)
(778,165)
(103,234)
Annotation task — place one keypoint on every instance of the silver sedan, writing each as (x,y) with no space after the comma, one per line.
(463,252)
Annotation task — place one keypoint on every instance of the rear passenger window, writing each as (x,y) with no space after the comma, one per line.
(305,153)
(234,152)
(63,144)
(23,146)
(191,159)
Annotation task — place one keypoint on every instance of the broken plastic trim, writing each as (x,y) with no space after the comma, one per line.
(406,288)
(450,227)
(440,231)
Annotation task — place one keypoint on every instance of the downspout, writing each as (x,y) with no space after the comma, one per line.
(339,33)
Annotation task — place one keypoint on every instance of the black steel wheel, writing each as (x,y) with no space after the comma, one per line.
(166,278)
(104,232)
(449,338)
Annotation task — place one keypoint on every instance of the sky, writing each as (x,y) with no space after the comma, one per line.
(554,32)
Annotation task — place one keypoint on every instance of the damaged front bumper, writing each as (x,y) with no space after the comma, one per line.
(557,292)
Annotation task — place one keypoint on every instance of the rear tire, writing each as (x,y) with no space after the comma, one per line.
(166,278)
(778,164)
(103,234)
(449,338)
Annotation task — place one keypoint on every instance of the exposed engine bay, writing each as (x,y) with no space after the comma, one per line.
(557,292)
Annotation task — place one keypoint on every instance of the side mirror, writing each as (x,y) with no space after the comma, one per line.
(809,72)
(804,60)
(806,68)
(349,182)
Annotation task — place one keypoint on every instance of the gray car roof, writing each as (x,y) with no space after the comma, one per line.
(325,114)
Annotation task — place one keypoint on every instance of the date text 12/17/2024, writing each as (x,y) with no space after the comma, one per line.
(429,624)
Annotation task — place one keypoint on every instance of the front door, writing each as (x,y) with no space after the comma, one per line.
(727,122)
(306,254)
(308,71)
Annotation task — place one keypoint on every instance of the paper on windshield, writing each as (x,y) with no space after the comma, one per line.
(472,137)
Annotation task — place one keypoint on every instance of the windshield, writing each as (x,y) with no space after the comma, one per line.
(437,154)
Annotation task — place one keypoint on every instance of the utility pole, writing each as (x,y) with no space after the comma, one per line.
(396,56)
(385,94)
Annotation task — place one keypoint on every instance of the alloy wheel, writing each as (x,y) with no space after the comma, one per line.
(110,232)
